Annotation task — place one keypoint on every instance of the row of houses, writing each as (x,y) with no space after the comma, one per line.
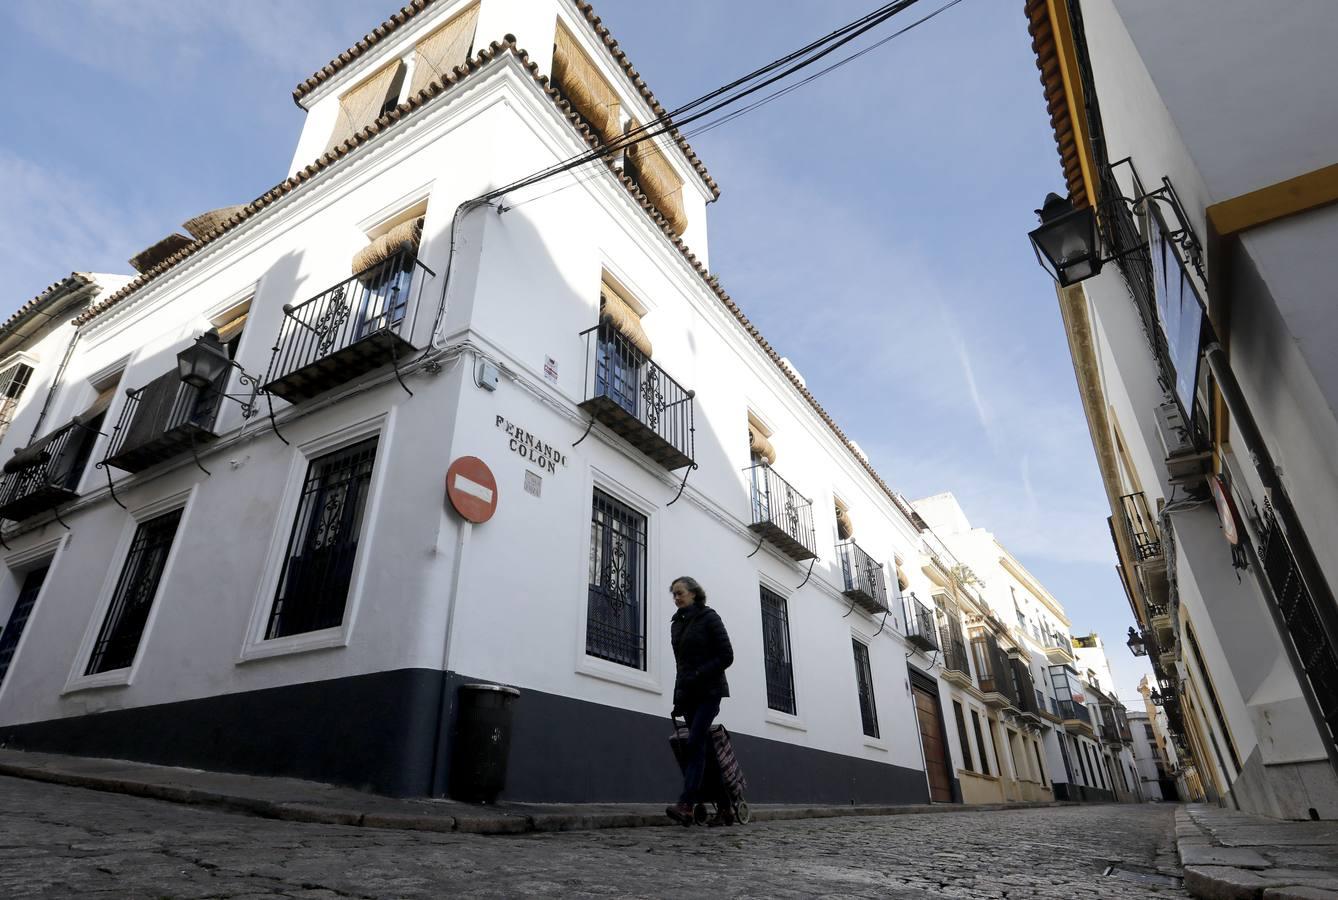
(1191,247)
(227,537)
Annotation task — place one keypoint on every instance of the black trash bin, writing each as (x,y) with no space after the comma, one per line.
(482,742)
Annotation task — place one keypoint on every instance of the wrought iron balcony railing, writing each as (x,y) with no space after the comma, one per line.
(920,630)
(1072,711)
(46,473)
(356,326)
(1024,687)
(954,654)
(637,399)
(781,514)
(992,671)
(862,578)
(161,419)
(1141,526)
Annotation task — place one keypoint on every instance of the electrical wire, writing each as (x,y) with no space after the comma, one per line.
(674,119)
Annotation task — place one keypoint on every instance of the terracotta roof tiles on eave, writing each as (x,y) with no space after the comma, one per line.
(1056,97)
(405,14)
(71,282)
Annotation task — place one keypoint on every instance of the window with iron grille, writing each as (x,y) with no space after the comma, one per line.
(967,762)
(118,640)
(776,652)
(980,743)
(318,567)
(615,627)
(13,380)
(18,618)
(868,711)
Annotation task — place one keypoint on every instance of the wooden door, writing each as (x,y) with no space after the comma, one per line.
(931,738)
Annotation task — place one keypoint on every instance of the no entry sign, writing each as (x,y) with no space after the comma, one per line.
(472,489)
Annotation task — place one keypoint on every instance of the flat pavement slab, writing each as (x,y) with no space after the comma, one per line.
(1233,856)
(294,800)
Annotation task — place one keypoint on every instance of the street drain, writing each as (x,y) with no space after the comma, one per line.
(1145,876)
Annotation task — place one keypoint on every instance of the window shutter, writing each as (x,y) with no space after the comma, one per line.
(760,446)
(444,49)
(580,82)
(360,106)
(388,244)
(625,319)
(658,180)
(845,529)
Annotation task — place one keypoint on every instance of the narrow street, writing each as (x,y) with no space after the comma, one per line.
(68,842)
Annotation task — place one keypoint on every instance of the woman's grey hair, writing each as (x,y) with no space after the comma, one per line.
(698,594)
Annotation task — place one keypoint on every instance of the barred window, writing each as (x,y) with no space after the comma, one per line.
(967,762)
(776,652)
(18,617)
(318,568)
(868,711)
(118,641)
(615,627)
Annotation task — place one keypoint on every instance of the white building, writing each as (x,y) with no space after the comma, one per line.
(277,584)
(1202,351)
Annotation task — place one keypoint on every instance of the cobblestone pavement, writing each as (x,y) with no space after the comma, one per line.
(68,842)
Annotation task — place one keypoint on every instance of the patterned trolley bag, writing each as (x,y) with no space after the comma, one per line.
(723,778)
(731,773)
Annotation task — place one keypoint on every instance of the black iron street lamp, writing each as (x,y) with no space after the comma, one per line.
(1066,244)
(203,363)
(1156,698)
(1137,646)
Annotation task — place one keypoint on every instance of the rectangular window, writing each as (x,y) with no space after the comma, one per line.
(980,742)
(118,641)
(318,567)
(776,652)
(1147,730)
(967,762)
(1040,765)
(615,626)
(18,618)
(864,681)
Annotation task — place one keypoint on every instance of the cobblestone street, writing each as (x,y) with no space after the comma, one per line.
(69,842)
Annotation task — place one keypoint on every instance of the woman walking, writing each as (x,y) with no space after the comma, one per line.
(702,653)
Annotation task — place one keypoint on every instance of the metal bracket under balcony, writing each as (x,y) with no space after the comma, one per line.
(353,328)
(161,420)
(862,578)
(45,474)
(637,399)
(781,514)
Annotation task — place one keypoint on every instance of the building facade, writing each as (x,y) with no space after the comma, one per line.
(1188,257)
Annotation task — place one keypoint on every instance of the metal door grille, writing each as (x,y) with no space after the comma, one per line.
(616,612)
(776,652)
(129,611)
(18,618)
(868,711)
(318,568)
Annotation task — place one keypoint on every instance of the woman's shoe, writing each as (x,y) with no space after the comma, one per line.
(680,813)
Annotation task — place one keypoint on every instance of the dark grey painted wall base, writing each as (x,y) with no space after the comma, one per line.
(1069,791)
(379,732)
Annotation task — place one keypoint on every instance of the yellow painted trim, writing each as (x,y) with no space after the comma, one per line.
(1073,93)
(1277,201)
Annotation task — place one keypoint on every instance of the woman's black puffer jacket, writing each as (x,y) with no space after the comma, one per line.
(702,652)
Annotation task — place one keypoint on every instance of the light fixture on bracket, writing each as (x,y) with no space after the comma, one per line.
(202,364)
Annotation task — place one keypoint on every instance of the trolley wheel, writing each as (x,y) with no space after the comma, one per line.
(742,814)
(699,814)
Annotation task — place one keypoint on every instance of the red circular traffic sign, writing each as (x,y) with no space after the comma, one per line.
(1226,509)
(472,489)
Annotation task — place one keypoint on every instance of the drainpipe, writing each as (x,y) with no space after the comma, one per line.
(1307,563)
(55,385)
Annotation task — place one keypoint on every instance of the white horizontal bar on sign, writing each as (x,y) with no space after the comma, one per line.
(473,488)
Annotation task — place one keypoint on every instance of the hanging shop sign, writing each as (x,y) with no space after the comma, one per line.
(1226,509)
(472,489)
(530,447)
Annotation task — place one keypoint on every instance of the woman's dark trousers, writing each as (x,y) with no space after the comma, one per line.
(699,719)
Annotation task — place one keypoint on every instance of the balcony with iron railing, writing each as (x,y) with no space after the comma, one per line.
(993,674)
(1025,688)
(780,514)
(362,323)
(1122,729)
(1058,647)
(1110,732)
(1141,526)
(637,399)
(863,582)
(920,629)
(956,664)
(1076,716)
(162,419)
(46,473)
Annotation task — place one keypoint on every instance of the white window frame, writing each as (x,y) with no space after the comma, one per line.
(254,644)
(774,716)
(18,565)
(648,679)
(77,680)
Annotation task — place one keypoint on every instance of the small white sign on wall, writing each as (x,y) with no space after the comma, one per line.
(550,369)
(533,483)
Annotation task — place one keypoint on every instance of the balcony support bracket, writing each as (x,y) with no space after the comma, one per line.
(881,625)
(681,486)
(757,548)
(589,426)
(269,401)
(2,542)
(111,487)
(55,511)
(195,453)
(395,361)
(852,607)
(811,563)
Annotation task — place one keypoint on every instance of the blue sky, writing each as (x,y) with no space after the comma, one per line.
(873,224)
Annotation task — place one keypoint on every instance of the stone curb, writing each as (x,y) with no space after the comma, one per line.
(484,823)
(1214,872)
